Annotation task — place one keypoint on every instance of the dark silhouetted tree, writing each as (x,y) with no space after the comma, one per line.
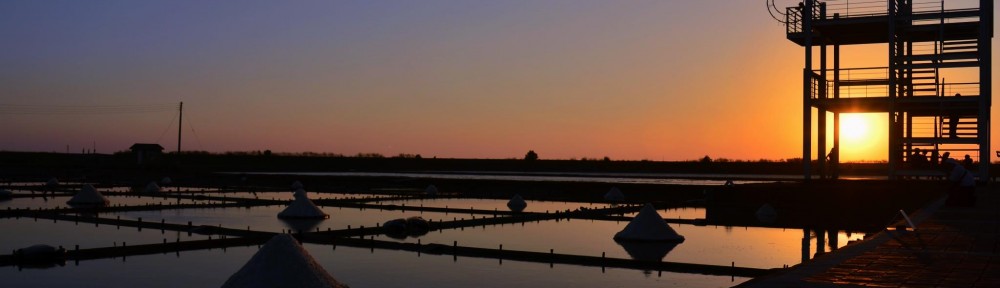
(531,156)
(706,159)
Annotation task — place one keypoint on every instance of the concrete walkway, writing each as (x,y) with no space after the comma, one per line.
(951,247)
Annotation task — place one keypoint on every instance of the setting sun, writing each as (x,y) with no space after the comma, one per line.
(863,137)
(853,128)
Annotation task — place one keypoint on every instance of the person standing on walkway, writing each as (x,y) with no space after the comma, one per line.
(967,162)
(963,185)
(953,121)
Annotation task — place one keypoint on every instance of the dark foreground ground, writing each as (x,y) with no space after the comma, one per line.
(950,247)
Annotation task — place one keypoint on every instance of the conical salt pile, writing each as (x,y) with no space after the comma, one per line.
(300,193)
(166,181)
(6,194)
(517,203)
(52,183)
(614,195)
(766,214)
(302,207)
(648,226)
(296,186)
(431,190)
(151,188)
(282,262)
(88,196)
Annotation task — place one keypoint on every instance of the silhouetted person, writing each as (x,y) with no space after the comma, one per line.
(832,161)
(967,162)
(963,188)
(944,161)
(918,159)
(953,121)
(934,158)
(921,159)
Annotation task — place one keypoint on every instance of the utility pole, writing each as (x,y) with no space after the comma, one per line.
(180,123)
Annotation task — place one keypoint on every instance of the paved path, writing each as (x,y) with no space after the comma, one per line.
(951,247)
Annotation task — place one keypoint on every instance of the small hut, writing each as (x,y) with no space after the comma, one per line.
(145,152)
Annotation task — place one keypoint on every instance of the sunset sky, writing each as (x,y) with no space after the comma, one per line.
(657,80)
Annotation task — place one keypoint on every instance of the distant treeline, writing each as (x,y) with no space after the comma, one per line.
(32,163)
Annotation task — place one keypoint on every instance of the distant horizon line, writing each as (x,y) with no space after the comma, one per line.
(418,155)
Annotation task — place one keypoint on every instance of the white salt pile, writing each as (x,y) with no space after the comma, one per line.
(648,226)
(282,262)
(302,208)
(88,195)
(431,190)
(151,188)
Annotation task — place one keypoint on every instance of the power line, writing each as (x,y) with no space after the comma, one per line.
(10,109)
(197,139)
(167,129)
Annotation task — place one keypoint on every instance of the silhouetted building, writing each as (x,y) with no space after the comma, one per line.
(145,153)
(926,45)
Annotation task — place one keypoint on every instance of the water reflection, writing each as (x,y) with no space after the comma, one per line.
(647,251)
(301,225)
(826,241)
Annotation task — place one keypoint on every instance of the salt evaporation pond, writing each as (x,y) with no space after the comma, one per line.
(50,202)
(287,195)
(609,178)
(360,267)
(264,218)
(356,267)
(677,213)
(23,232)
(492,204)
(713,245)
(35,203)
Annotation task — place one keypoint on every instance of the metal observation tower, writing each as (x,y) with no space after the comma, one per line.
(934,88)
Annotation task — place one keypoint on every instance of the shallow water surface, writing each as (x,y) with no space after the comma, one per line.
(713,245)
(492,204)
(23,232)
(265,218)
(352,266)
